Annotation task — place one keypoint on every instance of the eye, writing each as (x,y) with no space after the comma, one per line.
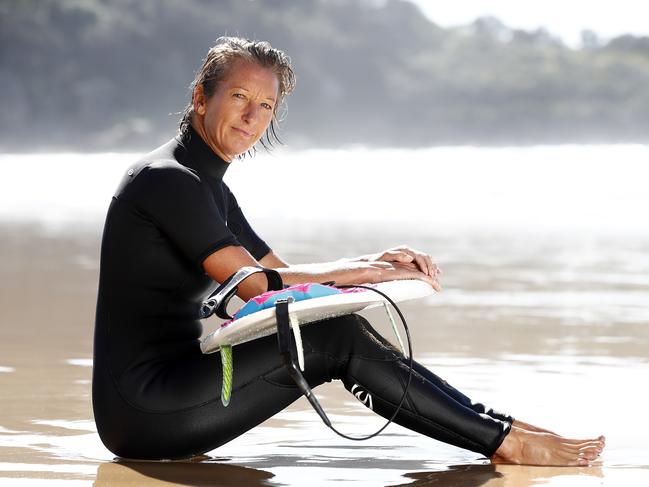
(267,106)
(241,96)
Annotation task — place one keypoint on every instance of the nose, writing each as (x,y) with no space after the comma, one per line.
(250,113)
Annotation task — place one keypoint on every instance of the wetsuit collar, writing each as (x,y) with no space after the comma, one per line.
(205,159)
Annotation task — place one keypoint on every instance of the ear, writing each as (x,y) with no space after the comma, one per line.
(199,100)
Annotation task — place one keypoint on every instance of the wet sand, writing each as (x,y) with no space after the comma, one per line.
(554,330)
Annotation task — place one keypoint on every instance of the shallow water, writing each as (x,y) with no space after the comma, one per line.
(550,324)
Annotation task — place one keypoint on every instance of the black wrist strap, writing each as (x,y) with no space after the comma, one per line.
(217,302)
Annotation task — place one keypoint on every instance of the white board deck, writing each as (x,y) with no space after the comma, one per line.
(262,323)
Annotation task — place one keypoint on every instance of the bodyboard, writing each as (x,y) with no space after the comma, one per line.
(262,323)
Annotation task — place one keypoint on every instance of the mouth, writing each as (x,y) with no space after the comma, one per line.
(242,132)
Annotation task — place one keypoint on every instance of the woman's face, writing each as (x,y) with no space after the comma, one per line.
(239,111)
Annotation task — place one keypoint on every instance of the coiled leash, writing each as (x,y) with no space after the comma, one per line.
(290,344)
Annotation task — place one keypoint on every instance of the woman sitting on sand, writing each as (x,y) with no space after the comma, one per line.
(174,230)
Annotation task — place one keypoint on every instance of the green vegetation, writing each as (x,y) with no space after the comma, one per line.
(106,75)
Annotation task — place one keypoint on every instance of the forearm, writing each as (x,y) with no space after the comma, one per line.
(357,270)
(340,272)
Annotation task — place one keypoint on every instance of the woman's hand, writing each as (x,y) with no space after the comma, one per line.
(380,271)
(404,255)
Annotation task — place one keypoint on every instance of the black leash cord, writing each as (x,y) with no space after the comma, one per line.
(410,367)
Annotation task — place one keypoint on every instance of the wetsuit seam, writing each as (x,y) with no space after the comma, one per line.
(394,357)
(375,359)
(275,383)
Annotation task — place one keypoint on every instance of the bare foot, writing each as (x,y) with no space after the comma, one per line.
(601,440)
(530,427)
(524,447)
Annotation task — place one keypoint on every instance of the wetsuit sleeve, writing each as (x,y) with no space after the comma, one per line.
(243,231)
(181,207)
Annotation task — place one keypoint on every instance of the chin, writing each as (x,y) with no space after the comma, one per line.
(243,150)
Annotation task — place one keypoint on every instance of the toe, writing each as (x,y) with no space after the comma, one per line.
(590,453)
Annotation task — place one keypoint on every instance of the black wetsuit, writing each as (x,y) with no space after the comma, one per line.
(155,395)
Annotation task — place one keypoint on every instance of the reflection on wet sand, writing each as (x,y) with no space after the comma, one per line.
(200,473)
(457,476)
(144,474)
(495,476)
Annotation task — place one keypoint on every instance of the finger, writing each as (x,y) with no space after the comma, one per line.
(413,272)
(422,263)
(422,276)
(436,286)
(402,256)
(427,264)
(432,267)
(395,256)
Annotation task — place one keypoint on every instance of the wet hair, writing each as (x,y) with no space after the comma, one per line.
(216,66)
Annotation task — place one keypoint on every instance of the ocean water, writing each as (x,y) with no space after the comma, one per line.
(544,312)
(599,189)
